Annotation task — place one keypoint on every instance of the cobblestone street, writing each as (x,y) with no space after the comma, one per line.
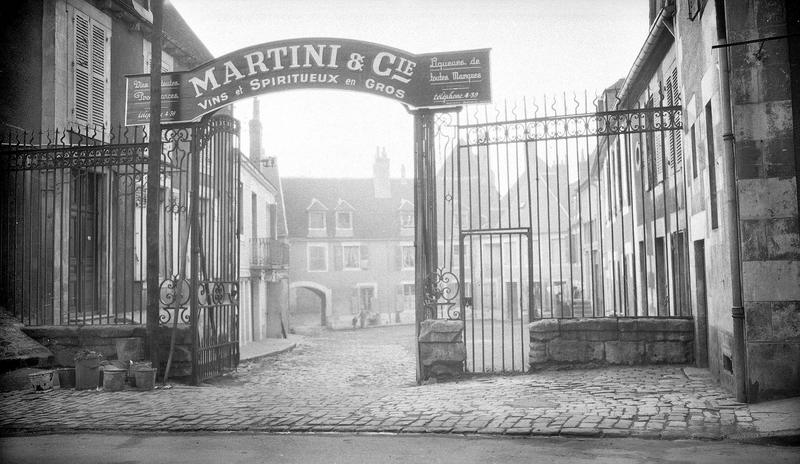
(363,381)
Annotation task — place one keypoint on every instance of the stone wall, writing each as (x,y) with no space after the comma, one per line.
(65,341)
(441,349)
(762,97)
(611,341)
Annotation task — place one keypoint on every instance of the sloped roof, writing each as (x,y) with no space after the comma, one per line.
(551,190)
(372,217)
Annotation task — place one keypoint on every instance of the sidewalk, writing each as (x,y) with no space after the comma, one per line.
(363,382)
(268,347)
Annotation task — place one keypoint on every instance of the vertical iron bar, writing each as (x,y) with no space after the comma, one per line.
(569,219)
(600,221)
(419,231)
(471,264)
(629,196)
(652,182)
(491,242)
(549,228)
(194,160)
(591,220)
(687,239)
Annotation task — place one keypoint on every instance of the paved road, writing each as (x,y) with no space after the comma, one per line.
(370,449)
(363,381)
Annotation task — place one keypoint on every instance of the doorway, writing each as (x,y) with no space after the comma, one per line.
(701,330)
(84,243)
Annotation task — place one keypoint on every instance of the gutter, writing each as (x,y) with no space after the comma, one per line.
(737,306)
(661,24)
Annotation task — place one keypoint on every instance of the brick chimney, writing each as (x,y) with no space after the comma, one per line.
(380,175)
(256,150)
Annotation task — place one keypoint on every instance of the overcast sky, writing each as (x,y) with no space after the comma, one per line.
(538,47)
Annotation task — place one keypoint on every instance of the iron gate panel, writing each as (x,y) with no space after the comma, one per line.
(496,281)
(215,257)
(564,210)
(74,238)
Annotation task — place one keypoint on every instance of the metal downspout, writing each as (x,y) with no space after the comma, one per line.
(737,307)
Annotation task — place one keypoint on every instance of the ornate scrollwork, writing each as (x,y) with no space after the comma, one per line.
(76,157)
(218,293)
(174,298)
(234,292)
(570,126)
(174,206)
(441,289)
(174,292)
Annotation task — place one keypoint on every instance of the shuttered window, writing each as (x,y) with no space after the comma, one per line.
(91,60)
(659,155)
(675,144)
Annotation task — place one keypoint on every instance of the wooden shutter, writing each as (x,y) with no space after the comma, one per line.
(675,135)
(659,158)
(80,68)
(99,73)
(364,257)
(91,62)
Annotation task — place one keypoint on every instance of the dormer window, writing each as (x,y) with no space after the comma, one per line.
(316,220)
(406,214)
(406,220)
(344,219)
(317,224)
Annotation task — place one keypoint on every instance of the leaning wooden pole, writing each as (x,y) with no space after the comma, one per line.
(153,183)
(419,229)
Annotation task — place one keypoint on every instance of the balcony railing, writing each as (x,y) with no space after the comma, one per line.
(269,253)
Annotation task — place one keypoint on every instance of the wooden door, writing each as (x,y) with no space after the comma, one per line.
(83,244)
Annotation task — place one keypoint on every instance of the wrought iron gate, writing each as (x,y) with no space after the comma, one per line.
(73,232)
(556,213)
(200,240)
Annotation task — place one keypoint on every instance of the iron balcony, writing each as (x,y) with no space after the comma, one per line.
(269,253)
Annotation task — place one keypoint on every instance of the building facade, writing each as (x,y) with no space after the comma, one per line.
(74,245)
(264,252)
(712,208)
(352,249)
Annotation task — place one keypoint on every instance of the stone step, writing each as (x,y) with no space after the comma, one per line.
(17,350)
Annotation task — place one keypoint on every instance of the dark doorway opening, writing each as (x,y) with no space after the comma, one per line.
(307,308)
(701,327)
(84,243)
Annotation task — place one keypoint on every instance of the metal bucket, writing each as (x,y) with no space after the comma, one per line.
(145,378)
(42,381)
(114,379)
(87,374)
(66,377)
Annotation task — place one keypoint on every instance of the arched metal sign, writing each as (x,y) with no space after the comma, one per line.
(419,81)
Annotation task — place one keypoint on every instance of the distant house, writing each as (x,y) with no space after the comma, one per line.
(352,249)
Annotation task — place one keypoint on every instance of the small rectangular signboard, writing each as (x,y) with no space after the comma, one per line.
(456,78)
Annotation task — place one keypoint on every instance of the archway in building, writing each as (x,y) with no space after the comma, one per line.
(309,304)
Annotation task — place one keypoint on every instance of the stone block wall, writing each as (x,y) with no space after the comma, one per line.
(65,341)
(764,92)
(441,348)
(611,341)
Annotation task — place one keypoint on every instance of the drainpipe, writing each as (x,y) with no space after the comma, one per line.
(737,307)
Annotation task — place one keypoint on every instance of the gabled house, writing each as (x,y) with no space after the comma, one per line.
(352,249)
